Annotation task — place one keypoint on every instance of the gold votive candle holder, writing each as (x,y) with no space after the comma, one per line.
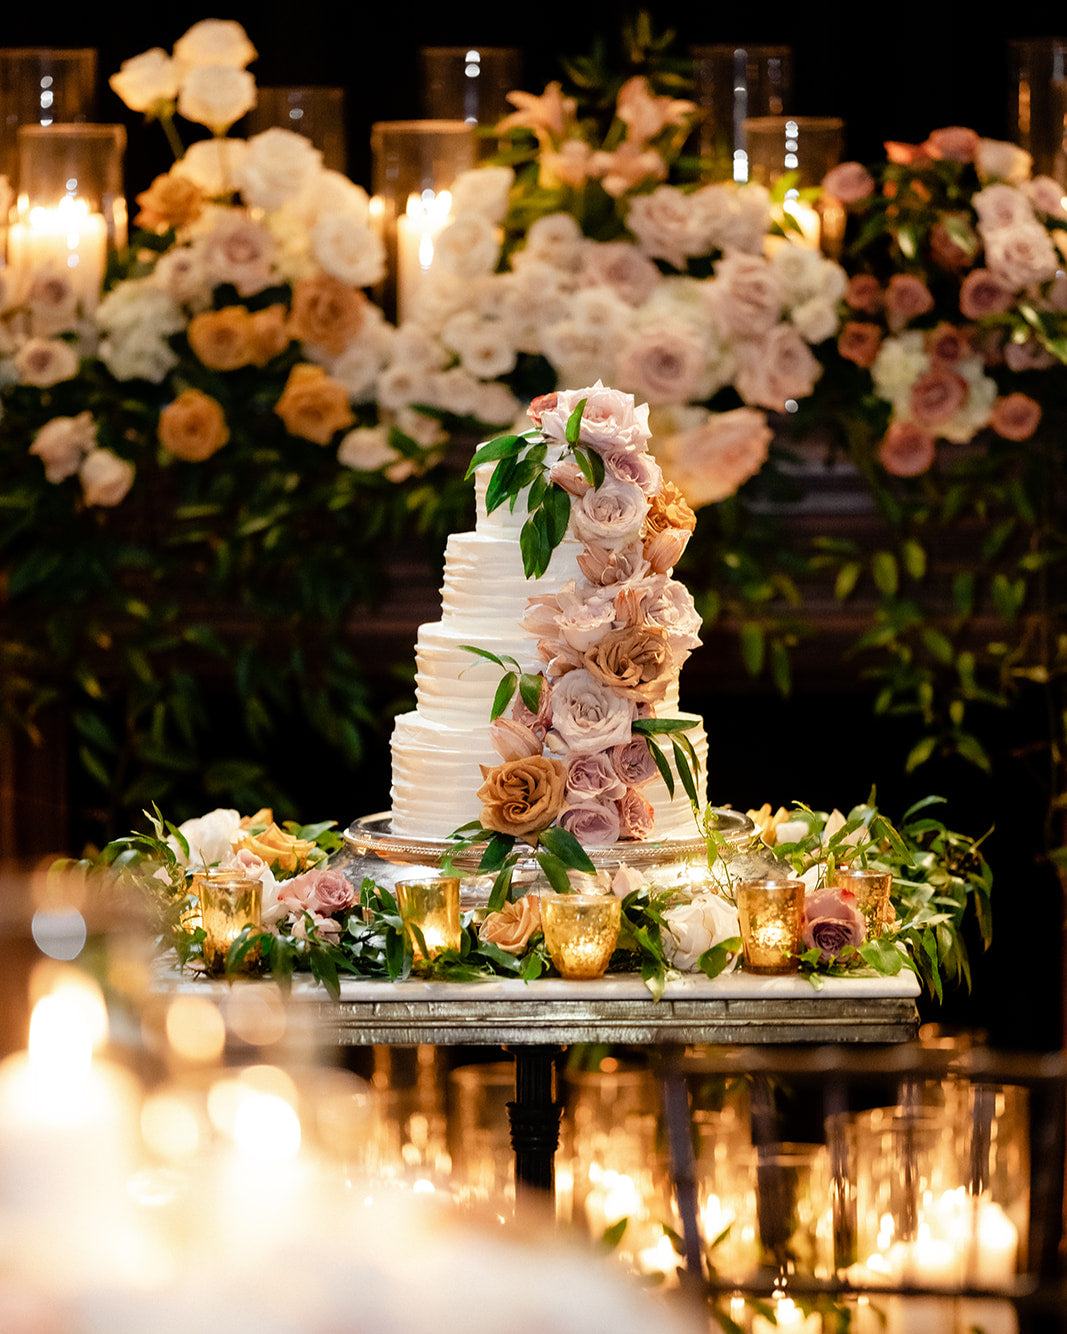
(580,932)
(430,909)
(872,889)
(230,901)
(769,914)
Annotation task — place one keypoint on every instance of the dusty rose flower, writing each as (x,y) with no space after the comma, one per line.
(906,450)
(594,824)
(172,200)
(1015,416)
(709,462)
(954,142)
(832,922)
(620,266)
(907,297)
(776,369)
(668,224)
(859,342)
(593,778)
(611,420)
(44,362)
(999,206)
(510,929)
(981,294)
(611,515)
(637,819)
(639,467)
(329,892)
(865,294)
(522,796)
(745,295)
(222,339)
(193,427)
(936,396)
(313,406)
(636,662)
(618,565)
(326,313)
(948,345)
(633,762)
(1027,356)
(1047,196)
(663,362)
(513,740)
(569,476)
(105,478)
(62,443)
(587,715)
(848,182)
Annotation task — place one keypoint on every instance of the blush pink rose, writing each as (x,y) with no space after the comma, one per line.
(663,362)
(62,443)
(848,182)
(1022,255)
(611,515)
(907,297)
(981,294)
(745,296)
(239,251)
(936,396)
(594,824)
(587,715)
(513,740)
(709,462)
(621,267)
(330,892)
(832,922)
(906,450)
(776,369)
(610,420)
(1015,416)
(637,819)
(859,341)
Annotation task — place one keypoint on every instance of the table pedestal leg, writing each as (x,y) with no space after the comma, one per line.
(535,1119)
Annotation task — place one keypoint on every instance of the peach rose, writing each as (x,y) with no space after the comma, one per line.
(906,450)
(269,334)
(1015,416)
(669,509)
(172,200)
(62,443)
(773,370)
(222,339)
(105,478)
(955,143)
(326,313)
(510,929)
(948,345)
(193,426)
(281,851)
(635,661)
(522,796)
(313,406)
(859,342)
(709,462)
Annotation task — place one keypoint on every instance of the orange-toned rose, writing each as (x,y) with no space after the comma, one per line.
(521,796)
(270,336)
(172,200)
(193,427)
(280,850)
(222,339)
(313,406)
(635,661)
(669,509)
(326,312)
(511,928)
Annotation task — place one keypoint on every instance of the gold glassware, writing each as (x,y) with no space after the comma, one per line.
(430,909)
(580,932)
(769,914)
(872,889)
(230,900)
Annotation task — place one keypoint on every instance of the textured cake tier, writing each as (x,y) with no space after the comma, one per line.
(437,773)
(485,587)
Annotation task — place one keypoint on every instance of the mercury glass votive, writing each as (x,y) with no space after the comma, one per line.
(872,889)
(430,909)
(230,901)
(769,914)
(580,932)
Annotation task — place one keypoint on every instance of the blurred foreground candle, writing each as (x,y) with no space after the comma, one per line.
(230,901)
(769,913)
(70,210)
(417,230)
(580,932)
(872,889)
(430,910)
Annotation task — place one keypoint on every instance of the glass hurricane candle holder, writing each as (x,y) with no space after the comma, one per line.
(872,889)
(468,83)
(429,910)
(318,113)
(230,901)
(769,914)
(42,86)
(580,932)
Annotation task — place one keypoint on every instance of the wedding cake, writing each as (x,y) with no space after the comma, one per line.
(587,602)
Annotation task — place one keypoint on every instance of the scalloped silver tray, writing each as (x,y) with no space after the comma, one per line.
(372,836)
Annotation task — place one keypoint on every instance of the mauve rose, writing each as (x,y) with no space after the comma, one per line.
(668,224)
(859,341)
(586,715)
(510,929)
(776,369)
(44,362)
(948,345)
(593,778)
(594,824)
(640,468)
(1028,356)
(907,297)
(936,396)
(611,515)
(1015,416)
(981,294)
(664,362)
(637,819)
(1022,255)
(633,762)
(669,604)
(620,266)
(906,450)
(832,922)
(512,740)
(571,618)
(865,294)
(1046,195)
(709,462)
(954,142)
(848,182)
(330,891)
(745,296)
(52,303)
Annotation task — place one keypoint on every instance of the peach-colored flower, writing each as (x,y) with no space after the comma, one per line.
(864,293)
(907,297)
(44,362)
(510,929)
(522,796)
(62,443)
(1015,416)
(905,155)
(774,369)
(859,342)
(278,848)
(326,312)
(105,478)
(222,339)
(513,740)
(663,550)
(955,143)
(848,182)
(636,662)
(626,166)
(172,200)
(645,115)
(708,463)
(193,427)
(948,345)
(549,112)
(906,450)
(269,334)
(669,509)
(313,406)
(637,818)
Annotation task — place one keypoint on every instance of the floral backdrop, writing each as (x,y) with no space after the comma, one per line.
(215,462)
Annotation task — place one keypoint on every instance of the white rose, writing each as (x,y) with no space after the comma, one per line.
(366,449)
(216,96)
(211,837)
(147,82)
(610,515)
(213,165)
(277,165)
(693,928)
(105,478)
(816,319)
(997,160)
(899,363)
(479,344)
(483,190)
(575,353)
(329,191)
(495,404)
(348,250)
(62,443)
(215,42)
(360,364)
(181,272)
(468,247)
(556,239)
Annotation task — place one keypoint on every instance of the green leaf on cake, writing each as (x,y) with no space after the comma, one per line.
(574,423)
(685,773)
(591,464)
(530,684)
(502,484)
(661,764)
(492,450)
(504,692)
(534,545)
(556,507)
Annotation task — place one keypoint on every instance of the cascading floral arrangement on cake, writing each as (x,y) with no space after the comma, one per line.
(547,694)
